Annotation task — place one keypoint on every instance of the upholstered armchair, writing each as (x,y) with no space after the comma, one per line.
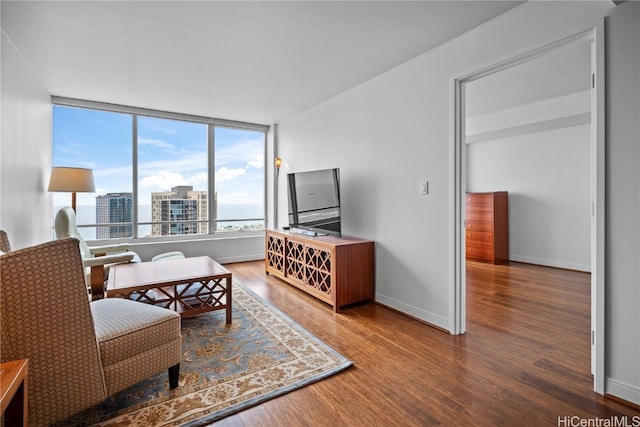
(96,259)
(79,352)
(5,246)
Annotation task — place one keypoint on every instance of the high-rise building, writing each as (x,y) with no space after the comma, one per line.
(179,211)
(114,208)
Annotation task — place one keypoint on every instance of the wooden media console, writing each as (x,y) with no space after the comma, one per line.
(336,270)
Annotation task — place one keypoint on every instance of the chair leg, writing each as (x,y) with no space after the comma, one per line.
(174,375)
(97,282)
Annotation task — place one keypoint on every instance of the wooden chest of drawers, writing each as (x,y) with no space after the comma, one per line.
(487,226)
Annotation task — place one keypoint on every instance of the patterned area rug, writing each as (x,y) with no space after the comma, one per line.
(224,369)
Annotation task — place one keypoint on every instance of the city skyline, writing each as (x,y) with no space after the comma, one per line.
(170,153)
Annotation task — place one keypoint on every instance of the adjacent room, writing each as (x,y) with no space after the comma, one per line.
(259,213)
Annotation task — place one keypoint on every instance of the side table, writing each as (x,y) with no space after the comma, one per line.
(13,392)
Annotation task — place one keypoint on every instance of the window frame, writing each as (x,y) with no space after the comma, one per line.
(211,123)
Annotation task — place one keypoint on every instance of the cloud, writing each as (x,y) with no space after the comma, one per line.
(249,153)
(158,143)
(194,162)
(258,163)
(158,125)
(164,181)
(226,174)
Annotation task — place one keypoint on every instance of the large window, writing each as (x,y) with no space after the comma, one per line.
(160,174)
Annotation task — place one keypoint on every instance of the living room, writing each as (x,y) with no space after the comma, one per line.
(387,133)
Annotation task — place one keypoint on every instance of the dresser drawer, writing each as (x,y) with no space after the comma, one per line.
(479,238)
(480,198)
(484,253)
(479,206)
(478,226)
(479,216)
(475,225)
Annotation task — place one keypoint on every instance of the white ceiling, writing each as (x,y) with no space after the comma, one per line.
(558,73)
(260,62)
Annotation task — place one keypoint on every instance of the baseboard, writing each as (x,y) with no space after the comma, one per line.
(550,263)
(627,392)
(415,312)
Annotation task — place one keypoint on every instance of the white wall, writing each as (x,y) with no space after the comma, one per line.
(237,248)
(541,156)
(622,275)
(395,130)
(25,152)
(25,164)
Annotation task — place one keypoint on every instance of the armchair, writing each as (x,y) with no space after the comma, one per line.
(79,352)
(5,246)
(96,259)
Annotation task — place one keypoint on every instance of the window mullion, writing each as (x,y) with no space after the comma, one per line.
(211,202)
(134,159)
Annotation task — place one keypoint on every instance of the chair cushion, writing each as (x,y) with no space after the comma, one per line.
(136,328)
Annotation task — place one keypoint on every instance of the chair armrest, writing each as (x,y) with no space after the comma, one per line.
(123,247)
(108,259)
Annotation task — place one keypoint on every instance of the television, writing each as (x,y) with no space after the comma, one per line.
(314,201)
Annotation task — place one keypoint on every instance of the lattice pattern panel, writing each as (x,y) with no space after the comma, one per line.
(275,253)
(318,269)
(212,293)
(204,295)
(295,261)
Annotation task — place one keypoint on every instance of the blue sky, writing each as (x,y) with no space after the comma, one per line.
(170,153)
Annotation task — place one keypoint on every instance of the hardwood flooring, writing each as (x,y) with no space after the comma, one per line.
(524,361)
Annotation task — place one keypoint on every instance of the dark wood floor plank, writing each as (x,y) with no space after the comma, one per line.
(525,359)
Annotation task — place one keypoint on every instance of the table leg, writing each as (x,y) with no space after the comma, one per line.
(16,412)
(229,300)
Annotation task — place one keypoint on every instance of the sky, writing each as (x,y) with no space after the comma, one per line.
(170,153)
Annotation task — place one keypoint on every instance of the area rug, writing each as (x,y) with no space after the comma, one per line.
(224,369)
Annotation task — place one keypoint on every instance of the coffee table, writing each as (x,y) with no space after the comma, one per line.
(189,286)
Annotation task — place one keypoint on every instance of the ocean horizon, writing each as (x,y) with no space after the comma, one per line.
(229,215)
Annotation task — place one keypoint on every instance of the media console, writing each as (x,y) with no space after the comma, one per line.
(336,270)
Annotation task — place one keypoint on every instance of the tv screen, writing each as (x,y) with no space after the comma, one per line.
(314,201)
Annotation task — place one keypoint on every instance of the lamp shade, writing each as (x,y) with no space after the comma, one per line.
(71,180)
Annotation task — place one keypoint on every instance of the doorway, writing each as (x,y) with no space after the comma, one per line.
(593,40)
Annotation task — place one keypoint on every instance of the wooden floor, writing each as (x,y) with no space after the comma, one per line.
(524,361)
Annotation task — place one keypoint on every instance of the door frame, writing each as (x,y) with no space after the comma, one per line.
(594,36)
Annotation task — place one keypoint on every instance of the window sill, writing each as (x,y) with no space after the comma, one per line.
(221,235)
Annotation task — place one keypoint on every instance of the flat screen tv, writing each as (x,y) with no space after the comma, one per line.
(314,201)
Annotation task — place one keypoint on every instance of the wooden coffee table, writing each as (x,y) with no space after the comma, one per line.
(189,286)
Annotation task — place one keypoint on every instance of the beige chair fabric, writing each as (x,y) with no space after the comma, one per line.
(79,352)
(5,246)
(126,331)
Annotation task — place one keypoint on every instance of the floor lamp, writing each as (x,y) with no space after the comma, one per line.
(278,163)
(71,180)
